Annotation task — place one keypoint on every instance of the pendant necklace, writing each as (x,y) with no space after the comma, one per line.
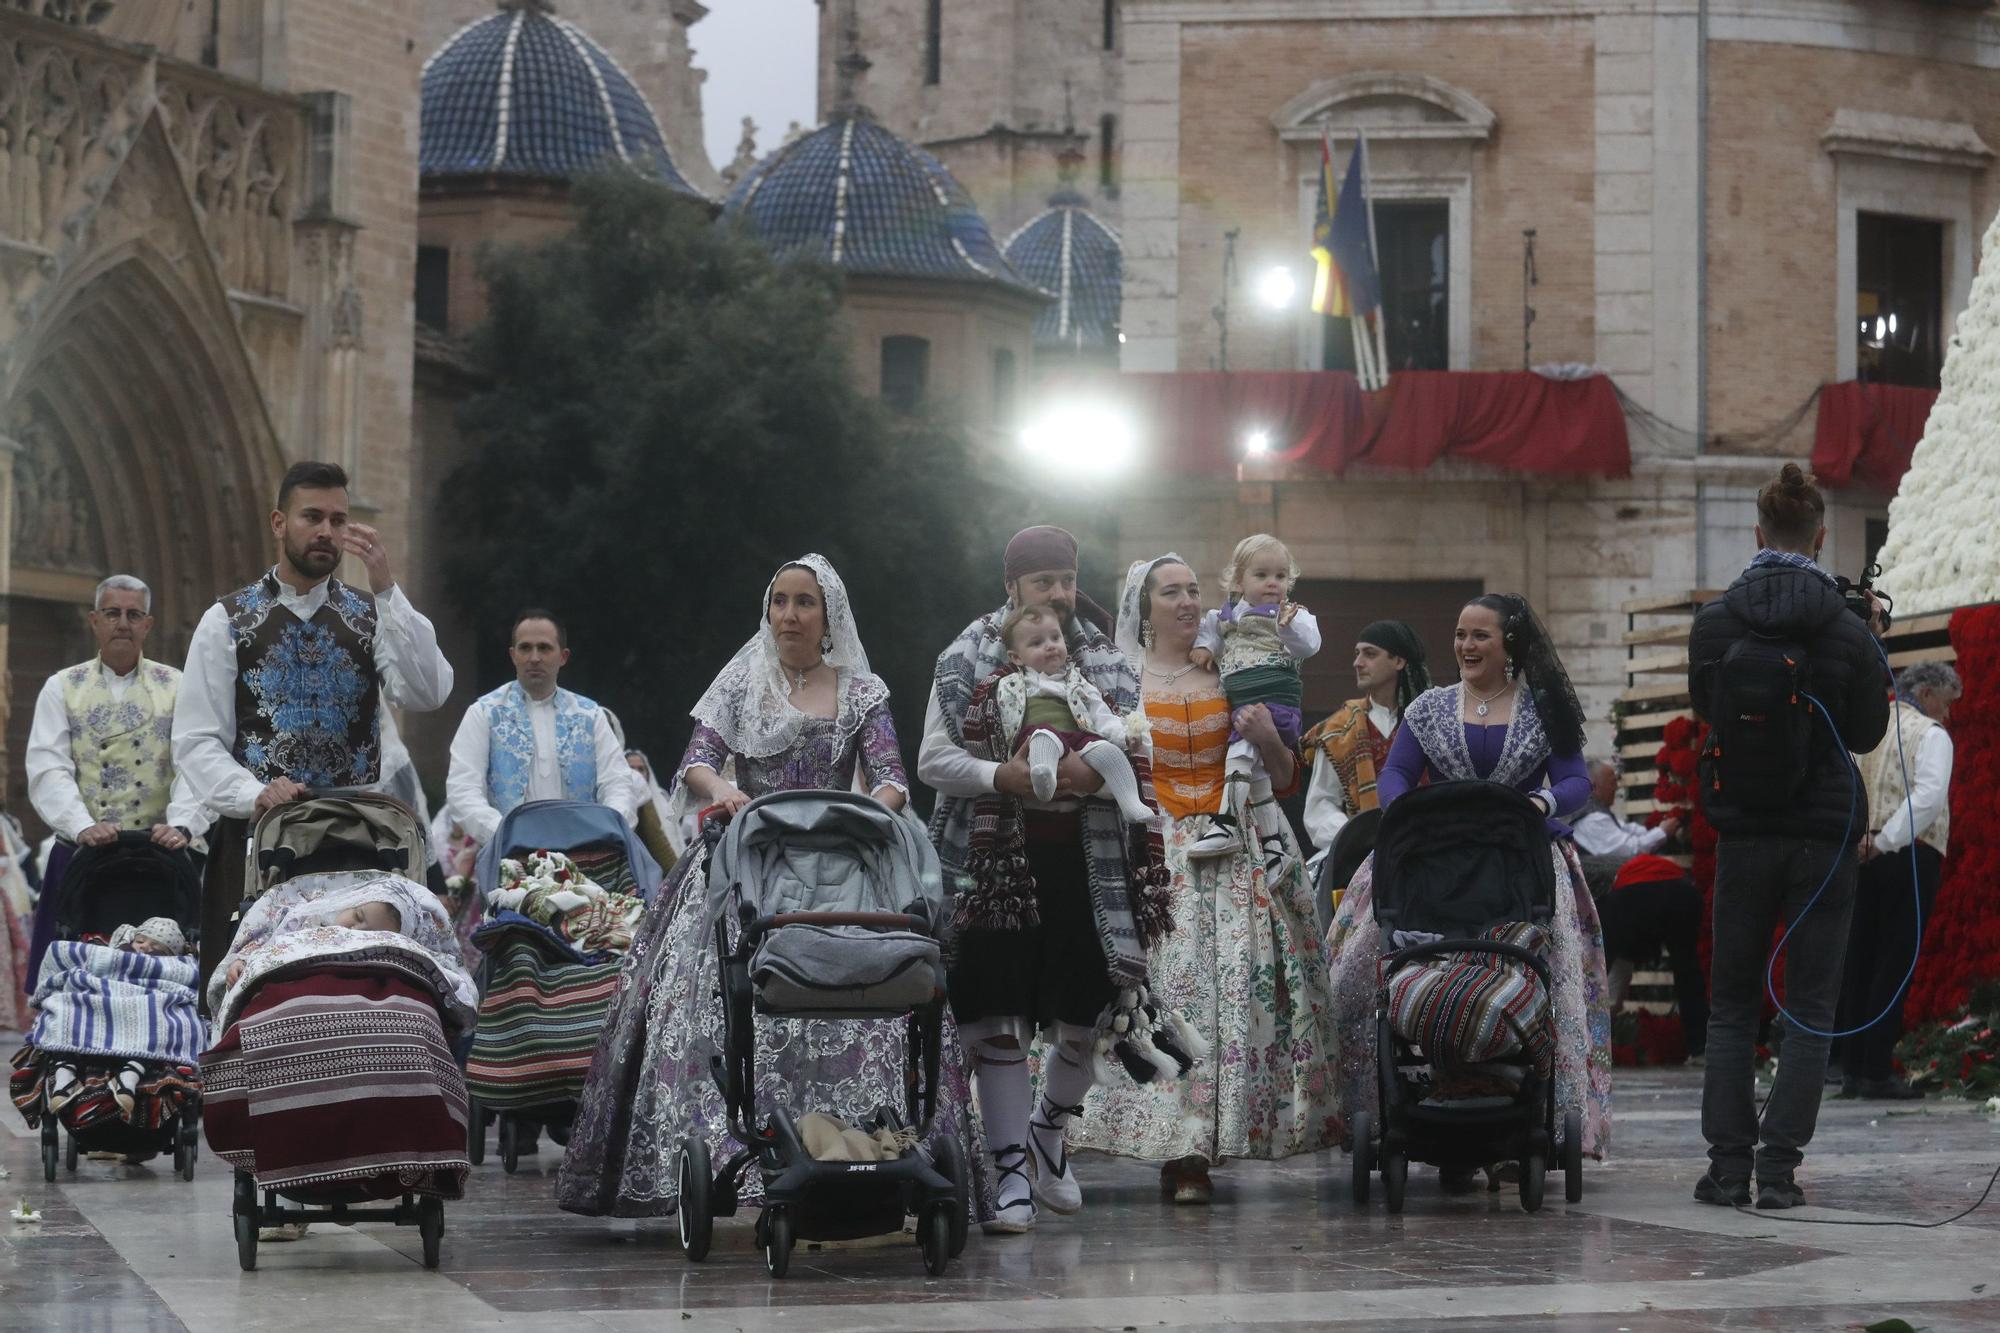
(1169,677)
(1486,699)
(799,677)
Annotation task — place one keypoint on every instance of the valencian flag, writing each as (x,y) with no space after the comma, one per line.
(1345,282)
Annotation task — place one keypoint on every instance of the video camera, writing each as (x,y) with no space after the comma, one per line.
(1855,594)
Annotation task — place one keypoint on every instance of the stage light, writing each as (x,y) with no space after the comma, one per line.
(1257,443)
(1277,288)
(1093,436)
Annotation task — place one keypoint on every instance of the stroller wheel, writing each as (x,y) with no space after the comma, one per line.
(475,1131)
(51,1148)
(777,1241)
(1534,1178)
(190,1149)
(1573,1157)
(510,1143)
(1395,1175)
(430,1226)
(935,1238)
(243,1209)
(1364,1150)
(949,1159)
(697,1223)
(69,1152)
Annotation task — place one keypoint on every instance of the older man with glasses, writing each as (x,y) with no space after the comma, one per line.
(100,756)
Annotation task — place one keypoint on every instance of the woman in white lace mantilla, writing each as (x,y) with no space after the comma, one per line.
(795,709)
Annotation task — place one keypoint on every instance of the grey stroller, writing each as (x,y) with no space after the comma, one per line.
(834,905)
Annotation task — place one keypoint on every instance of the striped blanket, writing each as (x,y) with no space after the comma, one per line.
(1472,1008)
(95,1000)
(539,1019)
(338,1084)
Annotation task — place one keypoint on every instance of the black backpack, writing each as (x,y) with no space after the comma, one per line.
(1759,750)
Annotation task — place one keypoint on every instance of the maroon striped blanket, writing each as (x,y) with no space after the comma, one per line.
(339,1083)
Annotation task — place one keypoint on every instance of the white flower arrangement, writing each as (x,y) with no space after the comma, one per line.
(1940,553)
(1993,1106)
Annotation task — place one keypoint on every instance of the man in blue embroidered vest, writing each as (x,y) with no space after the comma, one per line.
(284,679)
(99,757)
(531,740)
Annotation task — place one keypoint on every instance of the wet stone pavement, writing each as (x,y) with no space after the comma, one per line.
(1283,1247)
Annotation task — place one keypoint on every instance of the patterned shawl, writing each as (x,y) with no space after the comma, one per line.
(1437,718)
(972,660)
(1001,892)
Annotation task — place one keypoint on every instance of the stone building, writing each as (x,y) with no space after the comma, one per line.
(1731,205)
(207,243)
(935,312)
(997,90)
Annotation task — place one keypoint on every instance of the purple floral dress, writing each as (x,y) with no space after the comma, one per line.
(650,1083)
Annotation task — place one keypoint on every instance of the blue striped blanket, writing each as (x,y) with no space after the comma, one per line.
(94,1000)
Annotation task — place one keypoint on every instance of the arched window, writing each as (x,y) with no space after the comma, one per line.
(906,371)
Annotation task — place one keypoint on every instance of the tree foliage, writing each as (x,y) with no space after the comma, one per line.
(669,415)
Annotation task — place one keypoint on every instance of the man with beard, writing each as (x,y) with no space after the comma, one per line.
(99,760)
(284,679)
(1055,901)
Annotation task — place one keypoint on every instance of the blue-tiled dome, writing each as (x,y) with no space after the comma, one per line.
(1069,251)
(524,93)
(855,195)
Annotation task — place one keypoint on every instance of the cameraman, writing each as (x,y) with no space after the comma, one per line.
(1776,784)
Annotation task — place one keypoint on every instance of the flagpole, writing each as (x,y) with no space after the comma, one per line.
(1375,253)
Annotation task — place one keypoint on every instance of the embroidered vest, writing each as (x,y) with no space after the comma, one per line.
(1882,773)
(1252,641)
(306,690)
(122,748)
(510,753)
(1355,751)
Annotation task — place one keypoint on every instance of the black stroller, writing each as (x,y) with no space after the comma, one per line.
(836,904)
(120,883)
(1454,861)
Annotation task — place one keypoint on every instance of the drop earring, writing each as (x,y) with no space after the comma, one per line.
(826,643)
(1146,634)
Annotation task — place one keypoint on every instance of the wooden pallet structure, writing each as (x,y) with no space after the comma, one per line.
(1656,693)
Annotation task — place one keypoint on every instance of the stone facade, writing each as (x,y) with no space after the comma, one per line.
(1017,80)
(207,240)
(648,38)
(1694,206)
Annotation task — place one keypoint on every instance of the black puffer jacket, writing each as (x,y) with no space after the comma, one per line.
(1846,674)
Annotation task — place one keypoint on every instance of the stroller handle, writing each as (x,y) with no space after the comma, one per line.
(873,920)
(1440,948)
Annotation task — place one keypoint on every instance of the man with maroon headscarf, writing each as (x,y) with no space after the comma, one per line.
(1063,958)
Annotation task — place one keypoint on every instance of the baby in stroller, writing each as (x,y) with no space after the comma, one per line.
(156,937)
(113,1052)
(331,1078)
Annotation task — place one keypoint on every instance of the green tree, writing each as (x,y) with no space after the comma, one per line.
(668,415)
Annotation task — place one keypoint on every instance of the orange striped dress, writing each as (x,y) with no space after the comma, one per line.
(1190,742)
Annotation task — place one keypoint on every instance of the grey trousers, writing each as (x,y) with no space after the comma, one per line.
(1762,883)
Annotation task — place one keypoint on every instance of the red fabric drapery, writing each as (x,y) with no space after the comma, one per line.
(1866,433)
(1195,422)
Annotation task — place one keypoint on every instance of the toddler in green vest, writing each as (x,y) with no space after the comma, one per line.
(1048,702)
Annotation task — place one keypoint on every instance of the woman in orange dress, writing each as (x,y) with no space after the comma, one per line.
(1243,963)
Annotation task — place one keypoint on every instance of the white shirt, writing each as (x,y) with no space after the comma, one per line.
(1930,785)
(414,676)
(945,766)
(465,791)
(51,765)
(1601,833)
(1326,799)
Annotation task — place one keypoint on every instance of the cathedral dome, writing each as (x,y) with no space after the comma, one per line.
(524,93)
(1068,250)
(853,194)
